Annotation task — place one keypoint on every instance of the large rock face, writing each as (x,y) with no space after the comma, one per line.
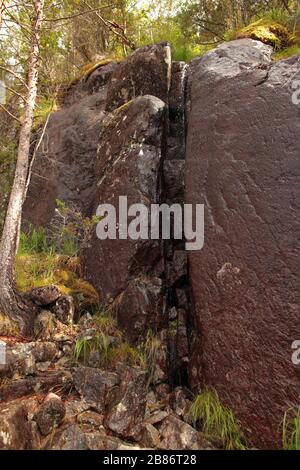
(243,165)
(122,132)
(146,72)
(129,162)
(64,165)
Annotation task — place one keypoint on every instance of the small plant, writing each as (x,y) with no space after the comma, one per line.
(151,349)
(109,345)
(216,420)
(35,241)
(291,429)
(8,327)
(71,229)
(288,52)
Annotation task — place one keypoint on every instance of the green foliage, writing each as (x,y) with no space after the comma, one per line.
(108,344)
(274,15)
(45,106)
(40,262)
(35,241)
(291,429)
(271,33)
(85,346)
(150,349)
(216,421)
(288,52)
(72,230)
(187,53)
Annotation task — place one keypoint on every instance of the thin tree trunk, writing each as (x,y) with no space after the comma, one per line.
(1,11)
(11,302)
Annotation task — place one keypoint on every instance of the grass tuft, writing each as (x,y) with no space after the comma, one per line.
(288,52)
(109,345)
(291,429)
(216,421)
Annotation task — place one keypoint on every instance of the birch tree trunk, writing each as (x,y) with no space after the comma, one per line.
(11,302)
(1,11)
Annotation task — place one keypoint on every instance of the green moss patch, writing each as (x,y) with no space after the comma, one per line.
(274,34)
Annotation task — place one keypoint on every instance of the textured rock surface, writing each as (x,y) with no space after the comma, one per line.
(44,296)
(146,72)
(16,432)
(50,414)
(127,406)
(93,385)
(64,166)
(129,163)
(177,435)
(243,164)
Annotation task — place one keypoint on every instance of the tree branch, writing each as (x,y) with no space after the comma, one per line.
(15,75)
(10,114)
(112,27)
(76,15)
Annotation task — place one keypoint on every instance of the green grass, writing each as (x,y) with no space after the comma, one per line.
(40,263)
(288,52)
(150,350)
(109,344)
(216,421)
(35,241)
(187,53)
(291,429)
(45,106)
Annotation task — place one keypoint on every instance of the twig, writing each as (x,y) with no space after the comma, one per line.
(64,18)
(111,26)
(15,75)
(35,154)
(16,93)
(10,114)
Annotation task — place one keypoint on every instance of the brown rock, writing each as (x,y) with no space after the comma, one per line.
(126,410)
(67,438)
(39,383)
(146,72)
(181,404)
(178,435)
(16,432)
(44,351)
(150,436)
(90,421)
(64,165)
(136,133)
(93,385)
(141,308)
(44,296)
(243,164)
(44,325)
(176,140)
(64,309)
(178,268)
(50,414)
(129,163)
(174,180)
(182,342)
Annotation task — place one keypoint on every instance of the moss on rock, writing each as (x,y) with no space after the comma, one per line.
(271,33)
